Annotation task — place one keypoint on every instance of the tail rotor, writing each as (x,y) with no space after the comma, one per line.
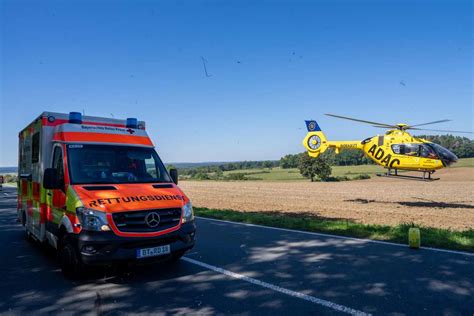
(315,141)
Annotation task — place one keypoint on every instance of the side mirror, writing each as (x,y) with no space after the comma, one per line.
(174,175)
(50,179)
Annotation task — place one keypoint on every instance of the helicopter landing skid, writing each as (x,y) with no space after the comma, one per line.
(426,176)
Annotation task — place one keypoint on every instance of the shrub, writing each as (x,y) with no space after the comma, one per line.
(312,167)
(361,177)
(10,178)
(201,176)
(236,176)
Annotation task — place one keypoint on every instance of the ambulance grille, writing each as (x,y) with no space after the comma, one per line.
(134,222)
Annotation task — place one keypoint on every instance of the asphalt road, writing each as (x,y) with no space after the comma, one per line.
(242,269)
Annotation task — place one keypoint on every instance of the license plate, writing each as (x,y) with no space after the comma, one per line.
(153,252)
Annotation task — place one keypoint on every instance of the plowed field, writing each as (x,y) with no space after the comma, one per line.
(447,203)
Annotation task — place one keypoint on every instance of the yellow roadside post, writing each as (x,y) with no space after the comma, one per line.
(414,239)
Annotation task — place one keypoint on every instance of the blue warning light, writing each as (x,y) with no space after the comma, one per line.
(75,118)
(132,122)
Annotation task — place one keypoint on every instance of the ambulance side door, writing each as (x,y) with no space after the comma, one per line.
(58,200)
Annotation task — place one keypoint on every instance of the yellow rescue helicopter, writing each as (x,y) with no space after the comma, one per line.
(395,150)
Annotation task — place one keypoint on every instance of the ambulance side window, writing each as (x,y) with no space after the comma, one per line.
(35,148)
(59,165)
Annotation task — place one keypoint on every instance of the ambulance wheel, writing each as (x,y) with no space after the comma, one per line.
(29,236)
(69,260)
(23,218)
(177,255)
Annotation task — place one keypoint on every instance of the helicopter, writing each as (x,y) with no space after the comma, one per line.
(395,150)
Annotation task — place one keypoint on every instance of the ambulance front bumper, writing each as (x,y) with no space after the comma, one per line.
(104,248)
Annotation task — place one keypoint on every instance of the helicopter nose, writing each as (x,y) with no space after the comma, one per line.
(450,159)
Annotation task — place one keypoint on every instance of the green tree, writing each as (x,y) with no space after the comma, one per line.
(170,166)
(311,167)
(268,164)
(289,161)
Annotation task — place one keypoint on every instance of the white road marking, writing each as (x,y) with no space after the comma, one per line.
(279,289)
(338,237)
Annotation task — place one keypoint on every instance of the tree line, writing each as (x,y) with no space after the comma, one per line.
(202,172)
(348,157)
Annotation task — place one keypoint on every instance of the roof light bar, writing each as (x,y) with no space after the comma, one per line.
(75,117)
(132,122)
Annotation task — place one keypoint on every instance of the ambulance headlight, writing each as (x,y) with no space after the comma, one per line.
(188,213)
(92,219)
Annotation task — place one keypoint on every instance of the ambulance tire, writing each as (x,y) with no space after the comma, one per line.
(69,259)
(177,255)
(29,236)
(23,218)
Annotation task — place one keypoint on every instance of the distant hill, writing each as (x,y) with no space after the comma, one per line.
(179,165)
(191,165)
(8,170)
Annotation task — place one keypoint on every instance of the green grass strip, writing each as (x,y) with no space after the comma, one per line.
(430,237)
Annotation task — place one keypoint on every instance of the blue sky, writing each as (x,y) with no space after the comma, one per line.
(272,64)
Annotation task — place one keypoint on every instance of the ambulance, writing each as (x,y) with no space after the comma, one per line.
(96,190)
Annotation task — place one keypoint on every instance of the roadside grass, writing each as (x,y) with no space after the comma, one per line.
(430,237)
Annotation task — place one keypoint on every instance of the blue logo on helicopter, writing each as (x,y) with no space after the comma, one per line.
(312,126)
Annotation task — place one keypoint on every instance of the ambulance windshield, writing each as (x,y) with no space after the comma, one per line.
(107,164)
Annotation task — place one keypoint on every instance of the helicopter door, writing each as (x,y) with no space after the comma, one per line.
(412,150)
(410,154)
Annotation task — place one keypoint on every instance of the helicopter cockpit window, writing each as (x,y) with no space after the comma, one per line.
(411,149)
(396,148)
(406,149)
(428,152)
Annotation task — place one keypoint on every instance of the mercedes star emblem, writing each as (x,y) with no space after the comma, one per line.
(152,219)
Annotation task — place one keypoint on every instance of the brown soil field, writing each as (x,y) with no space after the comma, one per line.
(446,203)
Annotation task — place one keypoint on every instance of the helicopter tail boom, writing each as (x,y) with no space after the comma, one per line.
(316,142)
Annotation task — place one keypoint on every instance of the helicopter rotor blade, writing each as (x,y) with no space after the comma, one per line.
(382,126)
(441,130)
(363,121)
(435,122)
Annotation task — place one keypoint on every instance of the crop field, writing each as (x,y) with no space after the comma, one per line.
(447,203)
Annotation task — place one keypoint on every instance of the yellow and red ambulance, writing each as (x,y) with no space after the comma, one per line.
(97,191)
